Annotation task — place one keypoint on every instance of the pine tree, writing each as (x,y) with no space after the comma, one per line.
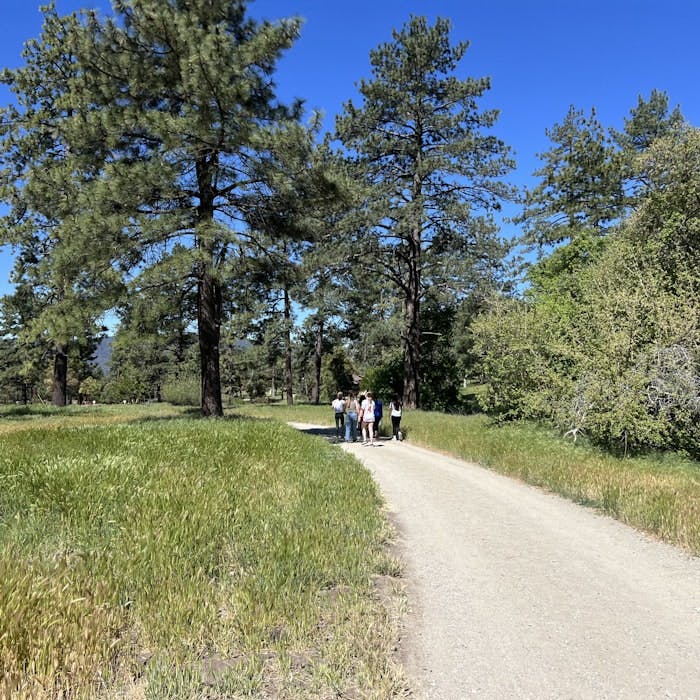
(434,174)
(47,181)
(192,145)
(580,188)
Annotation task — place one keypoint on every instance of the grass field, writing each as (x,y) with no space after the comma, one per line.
(659,494)
(147,553)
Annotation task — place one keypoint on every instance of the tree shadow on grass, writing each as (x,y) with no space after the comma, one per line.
(193,413)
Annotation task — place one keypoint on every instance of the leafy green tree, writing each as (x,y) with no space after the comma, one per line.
(90,389)
(433,173)
(607,344)
(527,357)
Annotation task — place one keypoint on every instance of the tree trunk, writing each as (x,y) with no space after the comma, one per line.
(318,361)
(209,303)
(412,355)
(412,349)
(209,331)
(289,387)
(60,376)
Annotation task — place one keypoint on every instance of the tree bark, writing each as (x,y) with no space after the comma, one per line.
(318,362)
(412,348)
(288,383)
(209,301)
(209,331)
(412,355)
(60,376)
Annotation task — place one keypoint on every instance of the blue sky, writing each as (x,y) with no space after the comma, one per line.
(541,55)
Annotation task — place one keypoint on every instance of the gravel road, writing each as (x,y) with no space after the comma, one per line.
(515,593)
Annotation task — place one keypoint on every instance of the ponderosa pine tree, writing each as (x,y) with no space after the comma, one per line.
(649,121)
(180,98)
(580,187)
(434,174)
(201,136)
(46,181)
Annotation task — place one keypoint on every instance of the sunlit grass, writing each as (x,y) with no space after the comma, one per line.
(299,412)
(189,558)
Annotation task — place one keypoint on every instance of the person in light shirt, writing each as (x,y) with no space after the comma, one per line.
(368,420)
(395,417)
(339,409)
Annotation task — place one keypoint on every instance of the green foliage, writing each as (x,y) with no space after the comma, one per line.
(336,375)
(182,389)
(431,174)
(125,385)
(90,389)
(526,356)
(606,342)
(120,156)
(385,379)
(139,544)
(581,183)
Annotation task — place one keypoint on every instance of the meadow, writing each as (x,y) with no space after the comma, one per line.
(148,553)
(655,493)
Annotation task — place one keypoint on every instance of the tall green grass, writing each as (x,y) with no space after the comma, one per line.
(298,412)
(187,558)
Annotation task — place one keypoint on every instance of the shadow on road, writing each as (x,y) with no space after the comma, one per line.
(329,434)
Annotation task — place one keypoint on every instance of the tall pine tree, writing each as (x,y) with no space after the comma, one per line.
(420,140)
(190,146)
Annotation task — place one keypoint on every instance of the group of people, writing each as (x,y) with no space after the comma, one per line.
(364,412)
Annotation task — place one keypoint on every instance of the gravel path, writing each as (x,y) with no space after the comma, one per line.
(515,593)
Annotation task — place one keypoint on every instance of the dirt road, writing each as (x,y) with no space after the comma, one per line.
(519,594)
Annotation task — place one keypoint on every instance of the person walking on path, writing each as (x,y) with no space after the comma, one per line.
(395,417)
(352,408)
(339,410)
(368,420)
(378,415)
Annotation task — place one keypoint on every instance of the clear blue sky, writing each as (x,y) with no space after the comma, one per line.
(541,55)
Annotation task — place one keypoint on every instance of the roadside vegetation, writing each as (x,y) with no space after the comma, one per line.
(658,493)
(146,553)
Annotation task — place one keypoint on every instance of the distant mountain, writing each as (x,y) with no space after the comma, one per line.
(103,354)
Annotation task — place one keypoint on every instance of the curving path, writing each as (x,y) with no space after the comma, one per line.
(516,593)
